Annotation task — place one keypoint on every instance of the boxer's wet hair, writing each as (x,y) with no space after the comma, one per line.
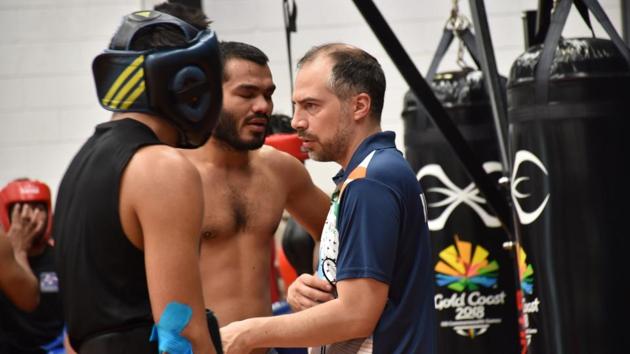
(240,50)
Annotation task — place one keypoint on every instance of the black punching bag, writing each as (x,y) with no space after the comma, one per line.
(474,277)
(569,128)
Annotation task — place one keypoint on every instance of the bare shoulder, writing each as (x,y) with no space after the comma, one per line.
(162,167)
(192,155)
(160,194)
(161,159)
(282,163)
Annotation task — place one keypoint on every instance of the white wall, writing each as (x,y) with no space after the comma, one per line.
(48,104)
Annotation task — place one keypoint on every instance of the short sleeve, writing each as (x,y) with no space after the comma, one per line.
(368,224)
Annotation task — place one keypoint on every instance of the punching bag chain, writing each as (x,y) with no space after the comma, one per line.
(460,53)
(458,23)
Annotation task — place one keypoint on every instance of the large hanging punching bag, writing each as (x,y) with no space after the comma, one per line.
(474,277)
(569,126)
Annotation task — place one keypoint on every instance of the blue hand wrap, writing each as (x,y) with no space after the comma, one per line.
(168,332)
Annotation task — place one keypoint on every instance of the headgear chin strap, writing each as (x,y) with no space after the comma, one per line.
(25,191)
(180,84)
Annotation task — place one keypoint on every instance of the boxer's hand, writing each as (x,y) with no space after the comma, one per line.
(232,337)
(307,291)
(26,224)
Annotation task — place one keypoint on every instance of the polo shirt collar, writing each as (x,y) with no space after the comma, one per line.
(380,140)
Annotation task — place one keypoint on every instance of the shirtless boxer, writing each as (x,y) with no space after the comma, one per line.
(247,186)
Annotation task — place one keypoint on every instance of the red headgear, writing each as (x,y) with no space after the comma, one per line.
(287,142)
(24,191)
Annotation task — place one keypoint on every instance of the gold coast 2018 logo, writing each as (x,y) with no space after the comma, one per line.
(466,270)
(462,268)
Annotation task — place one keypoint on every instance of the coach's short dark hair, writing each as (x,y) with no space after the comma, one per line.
(354,71)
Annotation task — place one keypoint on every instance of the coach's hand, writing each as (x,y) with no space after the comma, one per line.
(307,291)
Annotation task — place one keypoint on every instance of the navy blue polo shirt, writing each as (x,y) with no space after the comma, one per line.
(377,228)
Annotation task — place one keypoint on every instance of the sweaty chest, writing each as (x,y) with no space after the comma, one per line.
(249,206)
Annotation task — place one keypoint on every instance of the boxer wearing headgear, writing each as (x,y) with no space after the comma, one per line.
(247,187)
(128,214)
(180,84)
(25,212)
(28,191)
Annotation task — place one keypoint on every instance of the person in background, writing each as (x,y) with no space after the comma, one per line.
(26,216)
(17,281)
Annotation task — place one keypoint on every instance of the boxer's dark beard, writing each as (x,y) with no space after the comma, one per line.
(227,131)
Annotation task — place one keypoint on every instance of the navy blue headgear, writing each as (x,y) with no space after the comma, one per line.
(180,84)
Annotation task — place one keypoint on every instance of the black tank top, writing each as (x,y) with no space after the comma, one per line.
(25,332)
(101,274)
